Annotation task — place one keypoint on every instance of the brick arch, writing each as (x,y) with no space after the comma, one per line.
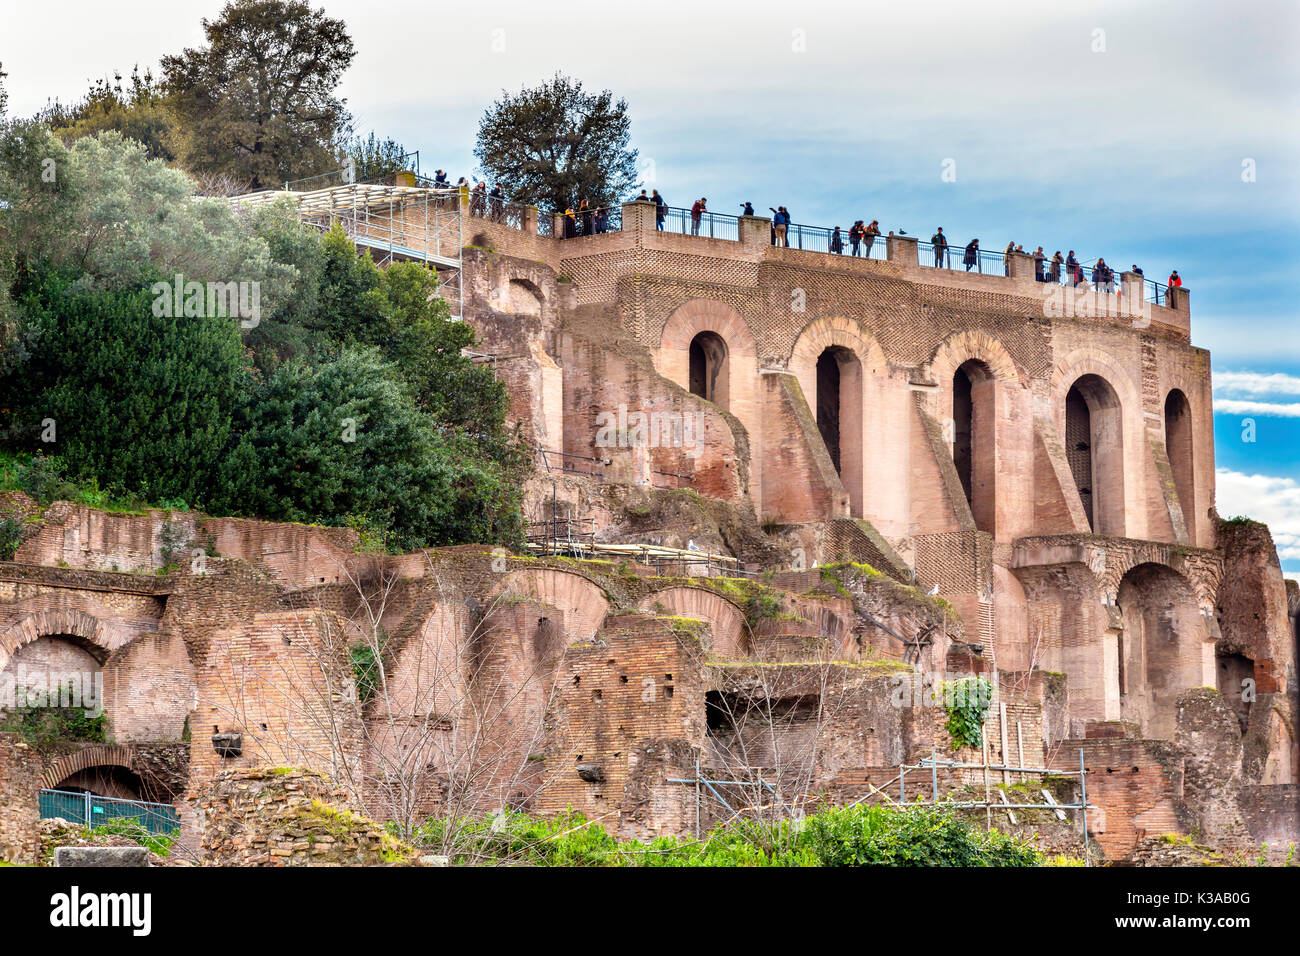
(726,620)
(1092,361)
(101,755)
(707,315)
(580,600)
(832,332)
(961,347)
(101,638)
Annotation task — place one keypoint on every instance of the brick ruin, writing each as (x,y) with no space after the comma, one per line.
(921,474)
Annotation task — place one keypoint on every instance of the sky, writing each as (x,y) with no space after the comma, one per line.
(1157,132)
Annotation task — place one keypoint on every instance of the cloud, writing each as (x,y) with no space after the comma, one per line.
(1271,499)
(1234,406)
(1256,383)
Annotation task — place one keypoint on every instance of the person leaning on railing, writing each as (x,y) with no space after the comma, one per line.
(869,236)
(971,258)
(496,203)
(1054,274)
(856,232)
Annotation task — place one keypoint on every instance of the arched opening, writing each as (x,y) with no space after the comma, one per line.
(973,441)
(119,783)
(708,368)
(56,671)
(1163,647)
(839,416)
(1094,448)
(1178,446)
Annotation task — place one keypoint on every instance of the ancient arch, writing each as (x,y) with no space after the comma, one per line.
(974,439)
(1163,647)
(709,375)
(1178,448)
(98,638)
(961,347)
(727,628)
(523,297)
(76,765)
(1094,448)
(581,601)
(705,315)
(840,367)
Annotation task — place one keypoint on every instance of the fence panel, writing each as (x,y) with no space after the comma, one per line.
(91,810)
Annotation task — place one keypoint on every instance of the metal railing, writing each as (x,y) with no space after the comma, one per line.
(92,810)
(715,225)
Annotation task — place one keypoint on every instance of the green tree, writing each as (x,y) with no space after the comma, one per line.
(344,441)
(4,95)
(555,145)
(138,111)
(137,400)
(257,102)
(375,160)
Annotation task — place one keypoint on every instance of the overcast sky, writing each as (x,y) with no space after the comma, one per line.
(1119,129)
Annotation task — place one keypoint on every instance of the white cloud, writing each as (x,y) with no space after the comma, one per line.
(1236,406)
(1256,383)
(1271,499)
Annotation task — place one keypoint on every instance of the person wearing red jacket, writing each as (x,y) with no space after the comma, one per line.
(1175,280)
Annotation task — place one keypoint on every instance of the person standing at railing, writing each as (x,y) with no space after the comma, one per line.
(1054,274)
(1040,257)
(869,236)
(697,213)
(940,243)
(837,242)
(971,258)
(496,203)
(1073,269)
(1136,271)
(570,224)
(1101,276)
(478,200)
(747,209)
(1175,280)
(584,213)
(661,210)
(602,222)
(780,225)
(856,232)
(440,179)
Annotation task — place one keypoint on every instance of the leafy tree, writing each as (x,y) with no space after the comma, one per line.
(4,96)
(374,160)
(555,145)
(138,111)
(136,399)
(257,102)
(344,440)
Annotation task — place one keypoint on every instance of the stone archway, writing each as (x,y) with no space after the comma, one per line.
(581,601)
(727,626)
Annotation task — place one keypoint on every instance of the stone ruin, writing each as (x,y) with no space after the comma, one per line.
(781,497)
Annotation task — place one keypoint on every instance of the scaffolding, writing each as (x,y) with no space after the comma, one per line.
(395,223)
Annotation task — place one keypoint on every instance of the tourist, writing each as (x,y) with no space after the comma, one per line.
(747,209)
(940,243)
(697,213)
(780,225)
(661,210)
(588,224)
(1054,274)
(869,236)
(1040,257)
(1073,269)
(1175,280)
(1100,278)
(856,232)
(570,224)
(439,179)
(971,257)
(1137,271)
(1006,258)
(496,203)
(837,242)
(602,222)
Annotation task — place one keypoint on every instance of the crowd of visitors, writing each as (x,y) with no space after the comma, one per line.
(585,220)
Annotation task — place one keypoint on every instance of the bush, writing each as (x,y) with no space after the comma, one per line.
(916,836)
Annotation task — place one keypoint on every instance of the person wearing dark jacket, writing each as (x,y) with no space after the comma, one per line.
(971,257)
(837,242)
(1054,274)
(940,243)
(747,209)
(855,237)
(496,203)
(697,213)
(1040,257)
(661,210)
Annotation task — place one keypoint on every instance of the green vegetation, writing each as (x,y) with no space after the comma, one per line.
(345,400)
(967,702)
(159,844)
(853,836)
(45,725)
(365,669)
